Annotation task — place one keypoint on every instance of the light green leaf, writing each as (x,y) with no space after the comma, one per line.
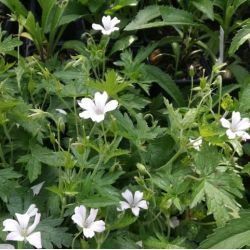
(234,235)
(242,36)
(124,221)
(123,43)
(154,74)
(244,104)
(173,16)
(53,235)
(143,17)
(205,6)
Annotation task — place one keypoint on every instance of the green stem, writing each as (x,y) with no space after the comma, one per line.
(73,241)
(97,165)
(191,91)
(10,142)
(76,119)
(220,95)
(20,244)
(174,157)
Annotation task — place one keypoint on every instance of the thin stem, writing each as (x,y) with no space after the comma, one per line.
(191,91)
(76,116)
(10,142)
(73,241)
(220,95)
(104,134)
(174,157)
(97,165)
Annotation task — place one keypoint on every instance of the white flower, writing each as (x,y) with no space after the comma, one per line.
(174,222)
(61,111)
(196,143)
(96,109)
(108,25)
(133,202)
(237,127)
(36,189)
(87,222)
(21,231)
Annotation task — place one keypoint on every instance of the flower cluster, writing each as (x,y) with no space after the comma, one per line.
(88,223)
(20,230)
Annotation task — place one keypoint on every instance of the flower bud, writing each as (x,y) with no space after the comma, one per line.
(191,71)
(141,168)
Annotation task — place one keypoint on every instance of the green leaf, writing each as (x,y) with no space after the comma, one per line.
(234,235)
(123,43)
(15,6)
(124,221)
(113,83)
(205,6)
(154,74)
(33,166)
(242,36)
(207,160)
(100,201)
(9,44)
(53,235)
(143,17)
(173,16)
(8,183)
(170,16)
(244,104)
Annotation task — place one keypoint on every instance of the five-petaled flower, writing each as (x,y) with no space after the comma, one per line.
(20,230)
(108,25)
(96,109)
(237,127)
(134,202)
(87,222)
(196,143)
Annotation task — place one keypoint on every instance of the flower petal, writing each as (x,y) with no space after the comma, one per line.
(115,21)
(23,219)
(100,101)
(92,216)
(106,21)
(36,189)
(35,223)
(32,210)
(80,215)
(128,196)
(98,226)
(87,103)
(85,114)
(11,225)
(15,236)
(138,196)
(96,26)
(235,119)
(35,240)
(97,117)
(142,204)
(135,210)
(244,124)
(88,232)
(123,206)
(111,105)
(230,134)
(225,123)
